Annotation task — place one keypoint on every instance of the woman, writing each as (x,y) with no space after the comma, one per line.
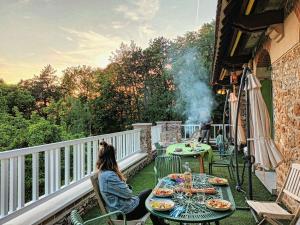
(114,190)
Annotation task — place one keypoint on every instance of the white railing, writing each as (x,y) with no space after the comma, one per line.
(189,129)
(52,167)
(155,134)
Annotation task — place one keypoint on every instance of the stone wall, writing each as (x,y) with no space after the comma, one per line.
(145,138)
(171,131)
(286,101)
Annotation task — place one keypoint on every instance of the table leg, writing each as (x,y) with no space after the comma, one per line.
(201,163)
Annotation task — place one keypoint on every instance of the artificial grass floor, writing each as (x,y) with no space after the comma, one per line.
(145,179)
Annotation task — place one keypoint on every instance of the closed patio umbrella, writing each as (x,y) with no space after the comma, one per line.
(241,138)
(263,147)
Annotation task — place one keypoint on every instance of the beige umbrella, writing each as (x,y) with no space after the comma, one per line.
(263,148)
(241,137)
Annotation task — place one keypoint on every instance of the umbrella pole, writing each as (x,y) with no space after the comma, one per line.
(224,114)
(249,158)
(239,183)
(230,128)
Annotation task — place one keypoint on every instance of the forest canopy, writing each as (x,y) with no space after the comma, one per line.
(137,86)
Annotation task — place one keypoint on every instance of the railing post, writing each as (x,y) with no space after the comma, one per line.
(13,185)
(67,165)
(4,187)
(145,137)
(35,176)
(21,182)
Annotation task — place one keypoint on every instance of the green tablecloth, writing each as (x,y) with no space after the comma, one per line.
(201,150)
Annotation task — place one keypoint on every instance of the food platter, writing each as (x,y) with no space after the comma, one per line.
(218,181)
(163,192)
(162,204)
(175,176)
(208,191)
(218,204)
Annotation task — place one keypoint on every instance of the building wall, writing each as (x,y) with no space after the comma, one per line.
(284,52)
(286,101)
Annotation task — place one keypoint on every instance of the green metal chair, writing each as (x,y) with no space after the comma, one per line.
(103,210)
(166,164)
(224,160)
(160,150)
(77,220)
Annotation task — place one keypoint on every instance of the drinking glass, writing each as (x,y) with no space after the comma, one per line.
(179,191)
(201,198)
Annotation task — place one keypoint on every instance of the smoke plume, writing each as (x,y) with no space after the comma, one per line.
(194,96)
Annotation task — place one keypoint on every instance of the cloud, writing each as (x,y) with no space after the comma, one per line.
(140,13)
(117,25)
(143,10)
(91,48)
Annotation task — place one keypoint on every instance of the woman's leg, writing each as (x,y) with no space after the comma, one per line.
(141,210)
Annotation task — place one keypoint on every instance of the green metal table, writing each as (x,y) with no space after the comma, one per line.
(201,150)
(194,212)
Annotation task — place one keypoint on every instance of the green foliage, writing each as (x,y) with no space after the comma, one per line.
(137,86)
(43,132)
(12,96)
(13,130)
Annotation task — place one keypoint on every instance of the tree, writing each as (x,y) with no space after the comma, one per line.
(12,96)
(80,82)
(44,88)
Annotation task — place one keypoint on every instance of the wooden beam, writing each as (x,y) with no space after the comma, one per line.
(256,22)
(236,60)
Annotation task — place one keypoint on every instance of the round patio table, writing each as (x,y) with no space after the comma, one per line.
(200,150)
(193,212)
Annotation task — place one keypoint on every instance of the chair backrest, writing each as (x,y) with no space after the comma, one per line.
(95,183)
(292,185)
(76,218)
(157,145)
(166,164)
(159,149)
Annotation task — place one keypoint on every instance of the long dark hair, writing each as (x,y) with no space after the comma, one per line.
(107,159)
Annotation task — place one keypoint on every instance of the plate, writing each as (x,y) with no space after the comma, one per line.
(218,181)
(208,191)
(218,204)
(178,150)
(162,204)
(163,192)
(175,176)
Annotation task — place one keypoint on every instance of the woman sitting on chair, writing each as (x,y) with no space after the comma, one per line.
(114,190)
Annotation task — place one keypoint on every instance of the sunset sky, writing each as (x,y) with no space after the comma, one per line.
(65,33)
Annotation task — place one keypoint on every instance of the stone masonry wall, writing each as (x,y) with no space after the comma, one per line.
(286,101)
(171,130)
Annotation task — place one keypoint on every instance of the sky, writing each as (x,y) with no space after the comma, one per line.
(63,33)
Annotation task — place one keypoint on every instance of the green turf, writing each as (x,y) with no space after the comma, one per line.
(145,179)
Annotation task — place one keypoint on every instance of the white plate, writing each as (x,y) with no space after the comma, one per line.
(165,195)
(164,201)
(218,209)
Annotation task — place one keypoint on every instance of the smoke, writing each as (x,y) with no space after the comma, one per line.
(194,97)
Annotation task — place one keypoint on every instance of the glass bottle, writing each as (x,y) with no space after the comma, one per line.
(187,179)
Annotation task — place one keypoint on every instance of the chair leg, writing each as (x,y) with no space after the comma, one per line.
(262,221)
(232,171)
(228,167)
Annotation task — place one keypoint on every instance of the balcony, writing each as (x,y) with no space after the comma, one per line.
(42,184)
